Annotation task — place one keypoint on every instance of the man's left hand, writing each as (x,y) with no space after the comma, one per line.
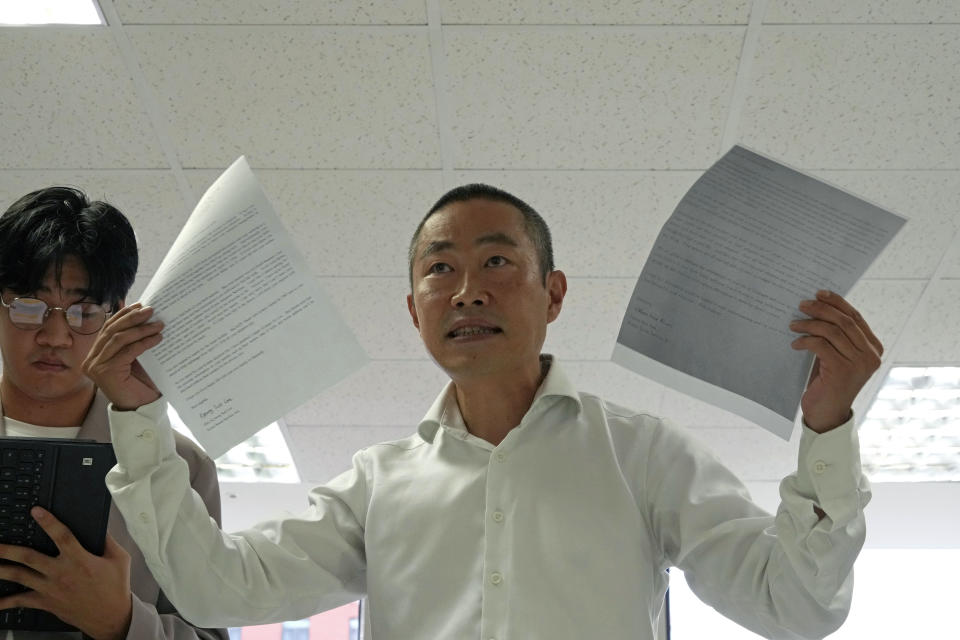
(88,591)
(847,354)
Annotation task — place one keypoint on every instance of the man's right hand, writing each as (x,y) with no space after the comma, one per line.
(112,361)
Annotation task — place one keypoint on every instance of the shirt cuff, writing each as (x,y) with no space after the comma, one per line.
(829,470)
(141,438)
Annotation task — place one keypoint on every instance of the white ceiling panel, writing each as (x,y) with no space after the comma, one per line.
(294,97)
(690,412)
(613,383)
(752,453)
(886,305)
(347,223)
(589,322)
(929,202)
(856,98)
(580,98)
(603,223)
(375,309)
(68,102)
(321,453)
(275,12)
(383,393)
(862,11)
(932,336)
(952,264)
(149,199)
(594,12)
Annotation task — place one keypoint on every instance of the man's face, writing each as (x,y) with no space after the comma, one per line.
(44,364)
(479,300)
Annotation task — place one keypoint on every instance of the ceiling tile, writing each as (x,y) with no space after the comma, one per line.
(932,335)
(886,305)
(952,266)
(383,393)
(375,309)
(614,384)
(347,223)
(862,11)
(929,202)
(274,12)
(68,102)
(603,223)
(856,98)
(321,453)
(690,412)
(588,325)
(594,12)
(294,97)
(581,98)
(752,453)
(149,199)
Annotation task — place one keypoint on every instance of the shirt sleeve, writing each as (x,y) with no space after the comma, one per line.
(282,569)
(784,576)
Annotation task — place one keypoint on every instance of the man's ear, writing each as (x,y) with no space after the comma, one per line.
(556,290)
(413,311)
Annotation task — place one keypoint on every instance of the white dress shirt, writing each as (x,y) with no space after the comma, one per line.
(563,530)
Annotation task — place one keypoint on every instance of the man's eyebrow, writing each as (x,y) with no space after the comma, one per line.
(83,293)
(435,247)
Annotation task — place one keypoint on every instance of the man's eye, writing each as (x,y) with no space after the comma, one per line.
(439,267)
(497,261)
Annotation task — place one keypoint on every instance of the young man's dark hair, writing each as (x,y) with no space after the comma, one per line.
(533,223)
(43,227)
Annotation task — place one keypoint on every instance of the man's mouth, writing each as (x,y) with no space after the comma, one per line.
(49,366)
(468,332)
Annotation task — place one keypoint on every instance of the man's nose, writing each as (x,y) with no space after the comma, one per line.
(470,292)
(55,331)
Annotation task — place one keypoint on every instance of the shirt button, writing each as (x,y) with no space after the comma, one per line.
(819,467)
(144,518)
(498,516)
(496,577)
(147,434)
(500,457)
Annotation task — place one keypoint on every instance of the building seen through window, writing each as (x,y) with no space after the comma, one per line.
(342,623)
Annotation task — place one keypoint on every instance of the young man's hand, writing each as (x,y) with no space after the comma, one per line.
(847,352)
(90,592)
(112,361)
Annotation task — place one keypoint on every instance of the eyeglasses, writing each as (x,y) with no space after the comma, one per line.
(82,317)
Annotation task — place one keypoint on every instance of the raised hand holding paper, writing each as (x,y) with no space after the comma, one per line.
(710,314)
(249,334)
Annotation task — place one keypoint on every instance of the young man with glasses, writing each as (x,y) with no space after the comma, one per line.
(66,264)
(521,508)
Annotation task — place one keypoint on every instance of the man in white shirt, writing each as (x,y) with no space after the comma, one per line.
(66,264)
(521,508)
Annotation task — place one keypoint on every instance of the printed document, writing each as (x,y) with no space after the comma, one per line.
(710,313)
(249,334)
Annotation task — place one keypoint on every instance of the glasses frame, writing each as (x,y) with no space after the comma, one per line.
(46,314)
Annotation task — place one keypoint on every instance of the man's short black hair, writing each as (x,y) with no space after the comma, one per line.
(535,226)
(44,227)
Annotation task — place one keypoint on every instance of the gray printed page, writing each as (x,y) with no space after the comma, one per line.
(710,313)
(249,333)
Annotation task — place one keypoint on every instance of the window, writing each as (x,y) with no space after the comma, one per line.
(342,623)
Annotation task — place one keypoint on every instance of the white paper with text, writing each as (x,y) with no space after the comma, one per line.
(710,313)
(249,334)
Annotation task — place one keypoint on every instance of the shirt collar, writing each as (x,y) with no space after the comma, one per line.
(446,413)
